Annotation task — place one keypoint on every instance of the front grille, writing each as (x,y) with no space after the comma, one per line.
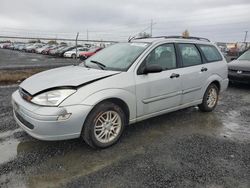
(24,94)
(23,121)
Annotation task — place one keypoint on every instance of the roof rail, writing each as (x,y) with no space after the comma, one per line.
(178,37)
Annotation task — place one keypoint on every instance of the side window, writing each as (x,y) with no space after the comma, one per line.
(190,55)
(211,53)
(164,56)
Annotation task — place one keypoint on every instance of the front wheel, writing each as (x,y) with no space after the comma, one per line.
(210,99)
(73,56)
(104,125)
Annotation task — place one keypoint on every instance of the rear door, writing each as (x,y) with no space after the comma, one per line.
(194,73)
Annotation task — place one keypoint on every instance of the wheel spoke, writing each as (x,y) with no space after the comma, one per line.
(115,118)
(99,128)
(101,119)
(101,134)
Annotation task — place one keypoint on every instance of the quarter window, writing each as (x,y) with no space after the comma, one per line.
(163,56)
(190,55)
(211,53)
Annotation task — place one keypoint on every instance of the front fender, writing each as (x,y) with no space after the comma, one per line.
(124,95)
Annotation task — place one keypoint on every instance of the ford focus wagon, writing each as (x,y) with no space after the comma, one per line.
(120,85)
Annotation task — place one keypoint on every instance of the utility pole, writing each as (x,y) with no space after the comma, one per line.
(245,39)
(87,34)
(76,43)
(151,28)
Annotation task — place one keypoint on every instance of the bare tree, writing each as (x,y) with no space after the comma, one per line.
(144,35)
(185,34)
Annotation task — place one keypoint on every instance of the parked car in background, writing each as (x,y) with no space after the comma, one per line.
(89,53)
(4,45)
(21,47)
(39,50)
(98,98)
(16,46)
(61,52)
(51,50)
(57,49)
(46,50)
(33,47)
(72,53)
(239,69)
(27,45)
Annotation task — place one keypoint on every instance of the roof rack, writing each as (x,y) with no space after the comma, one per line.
(177,37)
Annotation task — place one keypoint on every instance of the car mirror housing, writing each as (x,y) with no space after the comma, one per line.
(152,69)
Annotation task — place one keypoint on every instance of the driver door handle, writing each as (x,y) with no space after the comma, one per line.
(174,75)
(203,69)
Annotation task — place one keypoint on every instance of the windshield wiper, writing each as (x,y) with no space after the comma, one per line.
(102,66)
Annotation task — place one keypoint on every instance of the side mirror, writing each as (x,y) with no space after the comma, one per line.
(152,69)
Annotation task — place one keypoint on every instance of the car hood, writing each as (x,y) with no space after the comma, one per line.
(243,65)
(70,76)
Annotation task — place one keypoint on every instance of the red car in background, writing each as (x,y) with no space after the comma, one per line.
(85,55)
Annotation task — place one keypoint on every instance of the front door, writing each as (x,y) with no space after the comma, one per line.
(158,91)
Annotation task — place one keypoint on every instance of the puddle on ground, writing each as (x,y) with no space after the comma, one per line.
(8,150)
(235,126)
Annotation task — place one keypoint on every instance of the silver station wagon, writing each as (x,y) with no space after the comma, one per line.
(120,85)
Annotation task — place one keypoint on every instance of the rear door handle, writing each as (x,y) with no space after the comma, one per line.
(203,69)
(174,75)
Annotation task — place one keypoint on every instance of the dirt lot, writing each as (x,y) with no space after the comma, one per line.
(186,148)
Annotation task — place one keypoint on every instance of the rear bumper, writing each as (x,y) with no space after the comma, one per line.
(224,85)
(42,122)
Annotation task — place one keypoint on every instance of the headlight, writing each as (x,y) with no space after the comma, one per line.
(53,97)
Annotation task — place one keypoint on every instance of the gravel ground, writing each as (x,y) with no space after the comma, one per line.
(186,148)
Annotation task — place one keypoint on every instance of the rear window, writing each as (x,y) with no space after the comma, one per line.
(211,53)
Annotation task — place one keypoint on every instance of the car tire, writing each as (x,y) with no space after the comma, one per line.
(73,56)
(104,125)
(210,99)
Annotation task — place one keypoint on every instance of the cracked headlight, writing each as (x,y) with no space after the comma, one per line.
(53,97)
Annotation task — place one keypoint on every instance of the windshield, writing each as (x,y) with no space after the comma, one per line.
(245,56)
(117,57)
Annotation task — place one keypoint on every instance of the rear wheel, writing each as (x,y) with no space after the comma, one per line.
(210,99)
(104,125)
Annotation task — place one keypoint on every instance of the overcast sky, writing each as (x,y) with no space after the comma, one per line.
(219,20)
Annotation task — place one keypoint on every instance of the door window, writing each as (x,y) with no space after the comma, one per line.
(163,56)
(190,55)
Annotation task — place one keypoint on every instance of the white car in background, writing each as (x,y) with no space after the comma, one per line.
(72,53)
(39,50)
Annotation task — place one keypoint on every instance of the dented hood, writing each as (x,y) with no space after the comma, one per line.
(70,76)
